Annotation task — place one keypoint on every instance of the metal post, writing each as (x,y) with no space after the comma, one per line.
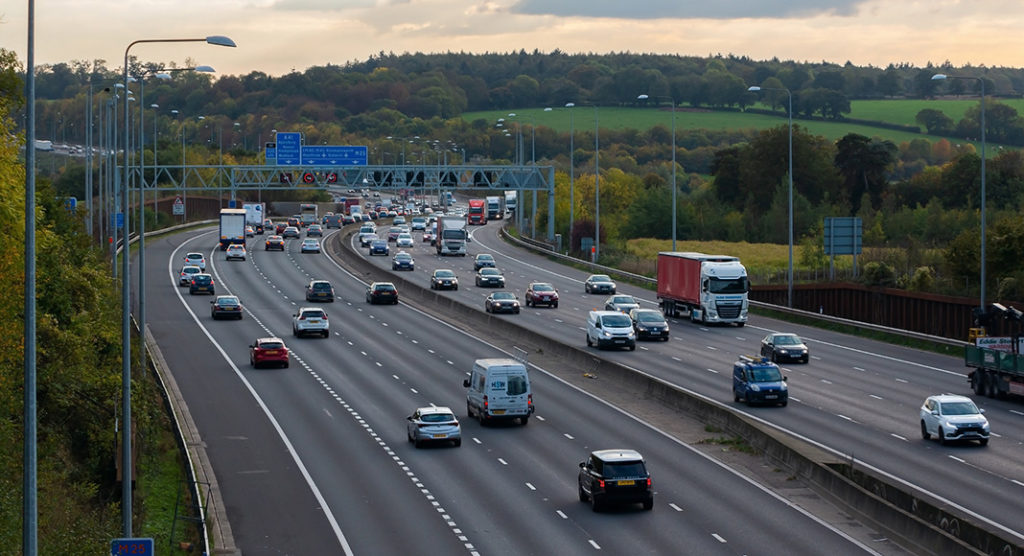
(572,174)
(597,190)
(30,511)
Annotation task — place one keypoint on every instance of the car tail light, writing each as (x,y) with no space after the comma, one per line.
(600,483)
(648,482)
(529,400)
(486,403)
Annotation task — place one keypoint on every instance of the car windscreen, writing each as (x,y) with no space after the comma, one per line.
(786,340)
(313,314)
(227,302)
(321,287)
(542,288)
(615,321)
(489,272)
(735,285)
(625,299)
(444,274)
(600,278)
(959,408)
(384,288)
(624,469)
(649,316)
(504,295)
(765,374)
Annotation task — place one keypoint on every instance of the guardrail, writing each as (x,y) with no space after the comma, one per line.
(652,284)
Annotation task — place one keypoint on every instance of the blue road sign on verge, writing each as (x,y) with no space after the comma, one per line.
(842,235)
(334,155)
(289,148)
(131,547)
(120,220)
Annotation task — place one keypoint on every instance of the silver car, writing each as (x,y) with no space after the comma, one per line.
(433,424)
(310,320)
(621,303)
(950,417)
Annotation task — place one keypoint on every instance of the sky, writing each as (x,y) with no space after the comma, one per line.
(279,36)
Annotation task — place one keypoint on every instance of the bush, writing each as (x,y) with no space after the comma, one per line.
(923,279)
(879,274)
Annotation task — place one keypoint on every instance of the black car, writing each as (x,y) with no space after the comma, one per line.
(483,260)
(403,261)
(784,347)
(320,290)
(599,283)
(444,279)
(649,323)
(227,306)
(201,283)
(490,277)
(379,247)
(381,292)
(615,477)
(502,302)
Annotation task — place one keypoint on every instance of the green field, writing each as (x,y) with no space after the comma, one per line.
(892,111)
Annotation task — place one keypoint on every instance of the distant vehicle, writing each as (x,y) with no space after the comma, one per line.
(502,302)
(234,251)
(622,303)
(274,242)
(484,260)
(197,259)
(607,329)
(308,214)
(498,389)
(615,477)
(495,207)
(951,418)
(404,240)
(709,288)
(232,227)
(382,292)
(268,351)
(44,145)
(477,212)
(379,247)
(314,230)
(201,283)
(365,238)
(433,424)
(489,277)
(541,293)
(649,323)
(599,283)
(451,236)
(333,221)
(320,290)
(758,381)
(444,279)
(511,201)
(186,274)
(291,232)
(255,216)
(310,246)
(310,320)
(784,347)
(227,306)
(403,261)
(249,232)
(419,223)
(394,232)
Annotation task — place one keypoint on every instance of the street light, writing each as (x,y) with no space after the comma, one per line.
(645,97)
(789,278)
(572,173)
(126,346)
(942,76)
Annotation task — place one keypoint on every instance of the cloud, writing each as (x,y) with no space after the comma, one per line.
(321,5)
(686,9)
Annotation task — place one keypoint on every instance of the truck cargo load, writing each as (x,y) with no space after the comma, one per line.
(511,201)
(451,236)
(997,363)
(255,215)
(707,288)
(232,227)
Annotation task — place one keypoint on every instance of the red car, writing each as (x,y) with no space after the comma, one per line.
(541,293)
(268,351)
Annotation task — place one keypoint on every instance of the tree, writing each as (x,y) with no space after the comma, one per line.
(935,122)
(863,163)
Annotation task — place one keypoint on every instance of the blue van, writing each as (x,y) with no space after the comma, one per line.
(758,381)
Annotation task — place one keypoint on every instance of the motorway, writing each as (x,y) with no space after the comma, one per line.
(857,397)
(313,459)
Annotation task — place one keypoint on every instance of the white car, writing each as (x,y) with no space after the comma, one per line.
(433,424)
(196,259)
(187,271)
(404,240)
(235,251)
(310,320)
(310,246)
(950,417)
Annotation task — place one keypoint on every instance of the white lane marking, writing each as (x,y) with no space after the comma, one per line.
(712,348)
(674,507)
(594,544)
(561,514)
(567,435)
(826,381)
(674,358)
(531,487)
(712,370)
(841,416)
(903,381)
(1017,412)
(954,458)
(477,440)
(378,363)
(538,417)
(718,537)
(395,377)
(858,369)
(1016,482)
(414,391)
(876,397)
(503,462)
(894,435)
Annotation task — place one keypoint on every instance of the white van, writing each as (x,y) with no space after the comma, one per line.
(499,389)
(610,329)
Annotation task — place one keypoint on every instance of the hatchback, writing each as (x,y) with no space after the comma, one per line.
(187,271)
(541,293)
(314,230)
(310,320)
(403,261)
(268,351)
(404,240)
(320,290)
(444,279)
(951,418)
(483,260)
(227,306)
(291,232)
(381,292)
(310,246)
(621,303)
(615,477)
(379,247)
(274,242)
(201,283)
(649,323)
(433,424)
(196,259)
(235,251)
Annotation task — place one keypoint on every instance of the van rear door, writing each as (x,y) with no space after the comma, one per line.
(508,393)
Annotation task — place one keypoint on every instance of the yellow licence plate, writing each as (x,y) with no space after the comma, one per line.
(439,436)
(498,412)
(626,483)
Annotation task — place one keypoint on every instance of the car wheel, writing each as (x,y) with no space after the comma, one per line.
(524,420)
(555,305)
(326,334)
(416,442)
(632,347)
(395,302)
(287,364)
(775,357)
(735,396)
(983,442)
(517,310)
(408,435)
(942,437)
(583,495)
(806,359)
(589,343)
(649,504)
(469,410)
(458,442)
(924,431)
(456,288)
(253,363)
(664,339)
(295,331)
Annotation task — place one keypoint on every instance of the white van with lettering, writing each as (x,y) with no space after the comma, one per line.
(499,389)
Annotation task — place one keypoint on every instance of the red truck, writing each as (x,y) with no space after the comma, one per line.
(709,288)
(477,212)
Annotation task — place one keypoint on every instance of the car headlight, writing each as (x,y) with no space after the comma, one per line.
(605,334)
(755,388)
(783,352)
(784,387)
(631,335)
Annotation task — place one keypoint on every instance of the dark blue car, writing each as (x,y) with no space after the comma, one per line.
(379,247)
(758,381)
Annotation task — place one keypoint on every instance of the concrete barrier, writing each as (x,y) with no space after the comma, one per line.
(910,518)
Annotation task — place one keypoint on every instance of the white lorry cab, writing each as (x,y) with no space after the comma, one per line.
(499,389)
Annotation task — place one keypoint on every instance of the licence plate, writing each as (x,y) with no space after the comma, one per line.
(770,396)
(626,483)
(270,352)
(620,341)
(440,435)
(498,412)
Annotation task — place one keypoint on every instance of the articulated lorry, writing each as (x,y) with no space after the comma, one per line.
(708,288)
(511,201)
(255,214)
(997,362)
(495,207)
(477,212)
(451,236)
(232,227)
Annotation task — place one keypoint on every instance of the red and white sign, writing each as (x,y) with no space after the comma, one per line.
(179,207)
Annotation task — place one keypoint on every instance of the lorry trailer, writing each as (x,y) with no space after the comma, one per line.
(707,288)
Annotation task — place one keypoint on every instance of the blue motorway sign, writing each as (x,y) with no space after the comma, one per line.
(271,151)
(843,235)
(289,148)
(132,547)
(333,155)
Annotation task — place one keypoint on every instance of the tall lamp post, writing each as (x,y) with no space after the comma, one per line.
(942,76)
(789,111)
(572,173)
(645,97)
(126,346)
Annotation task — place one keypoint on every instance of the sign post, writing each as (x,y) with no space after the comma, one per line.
(178,207)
